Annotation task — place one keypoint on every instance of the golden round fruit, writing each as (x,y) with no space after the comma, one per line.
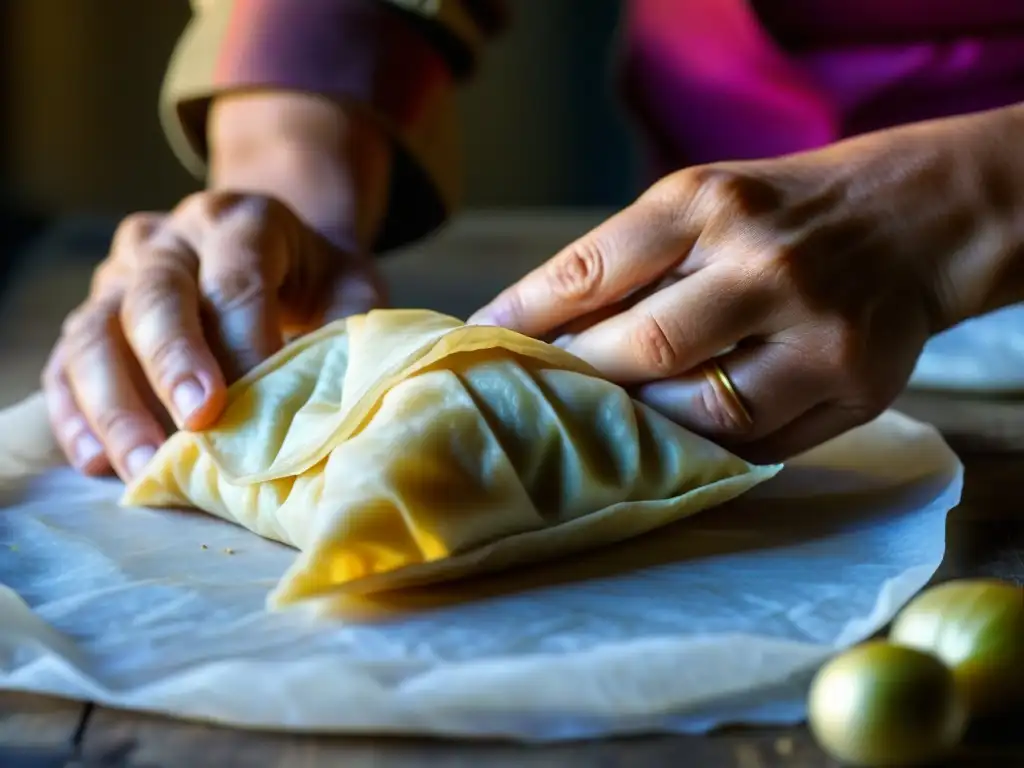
(976,626)
(884,705)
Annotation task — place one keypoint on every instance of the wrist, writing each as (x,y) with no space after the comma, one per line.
(329,162)
(985,266)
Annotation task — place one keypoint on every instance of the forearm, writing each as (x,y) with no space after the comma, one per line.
(400,65)
(958,194)
(988,272)
(942,200)
(330,163)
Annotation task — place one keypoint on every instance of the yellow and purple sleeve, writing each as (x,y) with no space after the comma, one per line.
(399,59)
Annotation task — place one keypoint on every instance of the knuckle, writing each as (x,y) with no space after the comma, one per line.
(122,428)
(715,183)
(577,274)
(235,288)
(153,286)
(133,234)
(200,204)
(671,189)
(109,276)
(137,227)
(87,325)
(168,356)
(198,213)
(209,207)
(726,188)
(684,194)
(653,347)
(714,179)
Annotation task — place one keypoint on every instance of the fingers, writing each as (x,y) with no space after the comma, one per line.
(183,305)
(202,308)
(774,382)
(245,258)
(625,253)
(93,379)
(160,314)
(67,422)
(676,329)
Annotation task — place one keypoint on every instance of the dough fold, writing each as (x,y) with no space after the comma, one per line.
(402,447)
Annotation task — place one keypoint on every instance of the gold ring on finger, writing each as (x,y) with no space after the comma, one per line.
(723,385)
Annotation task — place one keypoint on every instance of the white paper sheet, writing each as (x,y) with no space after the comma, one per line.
(720,619)
(983,355)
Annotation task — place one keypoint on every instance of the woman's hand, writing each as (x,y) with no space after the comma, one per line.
(820,276)
(190,300)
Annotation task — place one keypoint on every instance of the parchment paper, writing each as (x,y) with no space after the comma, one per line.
(982,355)
(720,619)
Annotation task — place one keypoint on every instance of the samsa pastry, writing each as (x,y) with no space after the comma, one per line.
(403,447)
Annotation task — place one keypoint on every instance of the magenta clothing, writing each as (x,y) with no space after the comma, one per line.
(739,79)
(707,80)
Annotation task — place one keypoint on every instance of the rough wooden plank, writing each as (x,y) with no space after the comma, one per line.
(37,731)
(146,741)
(117,738)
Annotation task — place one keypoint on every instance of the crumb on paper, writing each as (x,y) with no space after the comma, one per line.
(228,551)
(784,746)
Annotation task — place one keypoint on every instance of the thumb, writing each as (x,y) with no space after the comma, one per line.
(619,257)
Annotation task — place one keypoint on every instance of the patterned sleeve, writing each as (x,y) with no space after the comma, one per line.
(399,58)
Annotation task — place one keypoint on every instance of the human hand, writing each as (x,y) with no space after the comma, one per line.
(185,303)
(188,301)
(820,276)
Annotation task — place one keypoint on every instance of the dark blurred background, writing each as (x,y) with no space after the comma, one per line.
(80,135)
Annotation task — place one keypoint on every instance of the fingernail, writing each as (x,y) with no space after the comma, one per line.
(485,316)
(188,397)
(138,458)
(87,448)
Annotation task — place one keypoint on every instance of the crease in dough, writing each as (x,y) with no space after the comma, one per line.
(402,447)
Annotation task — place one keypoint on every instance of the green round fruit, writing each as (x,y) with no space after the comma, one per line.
(883,705)
(976,626)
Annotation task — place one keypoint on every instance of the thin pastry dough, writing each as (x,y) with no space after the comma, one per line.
(402,447)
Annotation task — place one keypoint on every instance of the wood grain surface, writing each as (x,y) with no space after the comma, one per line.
(38,732)
(453,273)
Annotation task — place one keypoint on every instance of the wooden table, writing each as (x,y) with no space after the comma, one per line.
(472,259)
